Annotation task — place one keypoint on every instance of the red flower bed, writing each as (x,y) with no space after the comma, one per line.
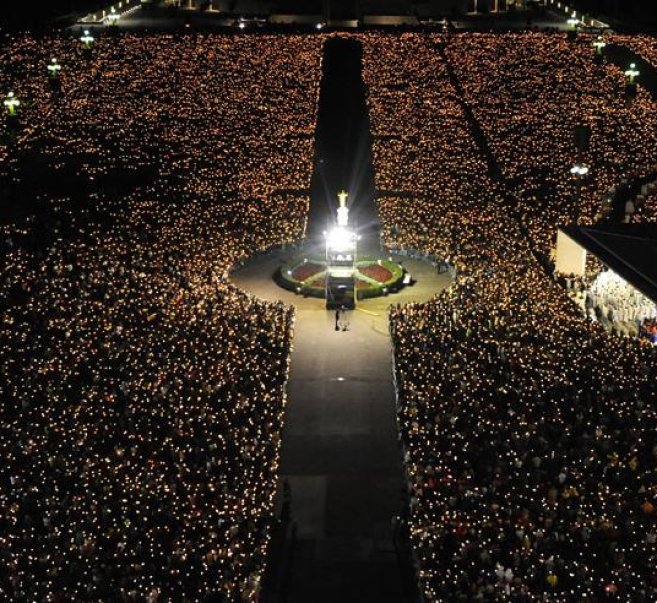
(376,272)
(305,271)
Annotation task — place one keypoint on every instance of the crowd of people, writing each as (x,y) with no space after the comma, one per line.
(528,429)
(538,98)
(611,296)
(142,394)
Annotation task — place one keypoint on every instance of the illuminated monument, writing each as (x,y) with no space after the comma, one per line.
(341,260)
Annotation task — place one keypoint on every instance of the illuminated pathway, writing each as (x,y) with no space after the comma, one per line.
(340,450)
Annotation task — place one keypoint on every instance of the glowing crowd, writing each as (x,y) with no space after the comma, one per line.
(528,430)
(142,393)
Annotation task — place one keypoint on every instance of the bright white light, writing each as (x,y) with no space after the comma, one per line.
(11,102)
(54,67)
(87,39)
(599,44)
(632,72)
(579,170)
(319,26)
(343,210)
(340,239)
(113,17)
(242,25)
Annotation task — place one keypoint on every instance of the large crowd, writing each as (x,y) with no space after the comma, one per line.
(529,431)
(142,394)
(535,96)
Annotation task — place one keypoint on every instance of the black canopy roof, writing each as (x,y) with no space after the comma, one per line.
(630,250)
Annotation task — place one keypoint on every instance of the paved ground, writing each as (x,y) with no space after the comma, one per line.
(340,449)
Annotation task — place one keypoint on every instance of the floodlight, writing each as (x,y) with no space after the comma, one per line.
(113,17)
(54,68)
(599,45)
(340,239)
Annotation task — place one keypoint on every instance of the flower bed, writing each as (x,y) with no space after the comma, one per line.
(308,277)
(376,272)
(318,283)
(304,271)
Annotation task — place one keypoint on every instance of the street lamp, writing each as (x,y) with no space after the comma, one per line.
(54,68)
(632,73)
(87,39)
(579,171)
(599,45)
(573,21)
(12,104)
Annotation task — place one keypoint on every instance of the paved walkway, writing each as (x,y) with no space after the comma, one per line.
(340,450)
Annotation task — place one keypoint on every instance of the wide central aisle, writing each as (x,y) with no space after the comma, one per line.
(342,460)
(340,452)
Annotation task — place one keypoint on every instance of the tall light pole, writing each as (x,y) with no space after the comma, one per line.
(87,39)
(630,80)
(579,171)
(599,44)
(12,104)
(113,18)
(54,68)
(632,73)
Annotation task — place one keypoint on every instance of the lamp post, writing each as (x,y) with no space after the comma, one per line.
(87,39)
(579,172)
(341,244)
(599,44)
(54,68)
(632,73)
(12,104)
(630,80)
